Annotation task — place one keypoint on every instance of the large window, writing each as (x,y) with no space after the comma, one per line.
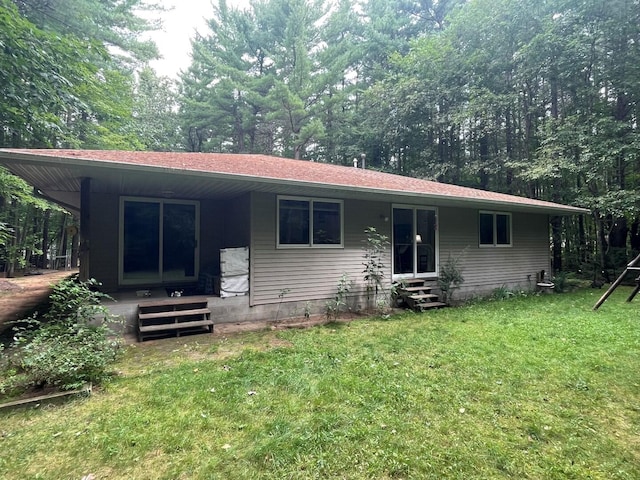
(415,245)
(494,229)
(309,222)
(158,240)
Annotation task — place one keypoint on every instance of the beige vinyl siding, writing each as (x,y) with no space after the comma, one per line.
(308,273)
(487,268)
(103,249)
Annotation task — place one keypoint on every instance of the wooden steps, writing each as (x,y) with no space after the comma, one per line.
(428,305)
(416,289)
(416,294)
(180,314)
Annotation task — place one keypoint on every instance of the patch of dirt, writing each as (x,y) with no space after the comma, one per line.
(227,341)
(19,296)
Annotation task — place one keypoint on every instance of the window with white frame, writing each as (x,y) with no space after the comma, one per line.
(494,229)
(309,222)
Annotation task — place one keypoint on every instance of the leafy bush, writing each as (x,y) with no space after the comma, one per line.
(333,307)
(71,343)
(375,248)
(451,277)
(560,282)
(68,355)
(76,301)
(505,293)
(501,293)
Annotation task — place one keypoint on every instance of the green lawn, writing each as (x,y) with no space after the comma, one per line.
(537,387)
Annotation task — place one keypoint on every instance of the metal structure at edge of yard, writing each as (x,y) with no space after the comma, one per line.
(633,266)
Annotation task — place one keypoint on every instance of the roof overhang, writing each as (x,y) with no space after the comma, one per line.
(58,178)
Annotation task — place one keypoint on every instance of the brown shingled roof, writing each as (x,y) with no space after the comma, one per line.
(286,170)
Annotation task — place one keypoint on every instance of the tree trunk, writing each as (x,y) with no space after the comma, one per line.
(634,237)
(601,242)
(582,240)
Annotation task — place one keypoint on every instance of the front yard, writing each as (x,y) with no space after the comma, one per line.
(536,387)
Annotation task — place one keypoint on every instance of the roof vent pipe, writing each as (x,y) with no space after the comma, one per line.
(363,156)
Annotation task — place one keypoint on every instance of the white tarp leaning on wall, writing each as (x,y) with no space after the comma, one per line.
(234,271)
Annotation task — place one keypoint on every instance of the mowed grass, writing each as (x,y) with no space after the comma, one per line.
(537,387)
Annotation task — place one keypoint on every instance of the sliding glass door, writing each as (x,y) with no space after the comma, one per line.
(158,240)
(415,242)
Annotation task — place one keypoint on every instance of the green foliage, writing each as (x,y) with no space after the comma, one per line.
(560,282)
(506,293)
(70,344)
(450,277)
(39,71)
(339,302)
(76,302)
(255,84)
(67,355)
(62,78)
(376,246)
(5,233)
(154,105)
(113,23)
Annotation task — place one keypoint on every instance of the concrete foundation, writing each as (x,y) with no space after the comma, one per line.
(223,310)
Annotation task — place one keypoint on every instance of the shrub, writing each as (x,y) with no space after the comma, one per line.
(333,307)
(560,282)
(68,355)
(71,343)
(451,277)
(375,248)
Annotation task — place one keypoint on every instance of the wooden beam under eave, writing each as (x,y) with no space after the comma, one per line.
(85,227)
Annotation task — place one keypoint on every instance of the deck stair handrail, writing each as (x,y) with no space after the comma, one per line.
(633,266)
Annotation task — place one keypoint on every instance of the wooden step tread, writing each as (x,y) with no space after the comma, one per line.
(174,326)
(414,289)
(166,302)
(174,313)
(412,281)
(425,305)
(424,296)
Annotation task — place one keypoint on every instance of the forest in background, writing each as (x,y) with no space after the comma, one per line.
(529,97)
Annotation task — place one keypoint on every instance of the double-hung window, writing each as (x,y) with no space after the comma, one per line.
(309,222)
(494,229)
